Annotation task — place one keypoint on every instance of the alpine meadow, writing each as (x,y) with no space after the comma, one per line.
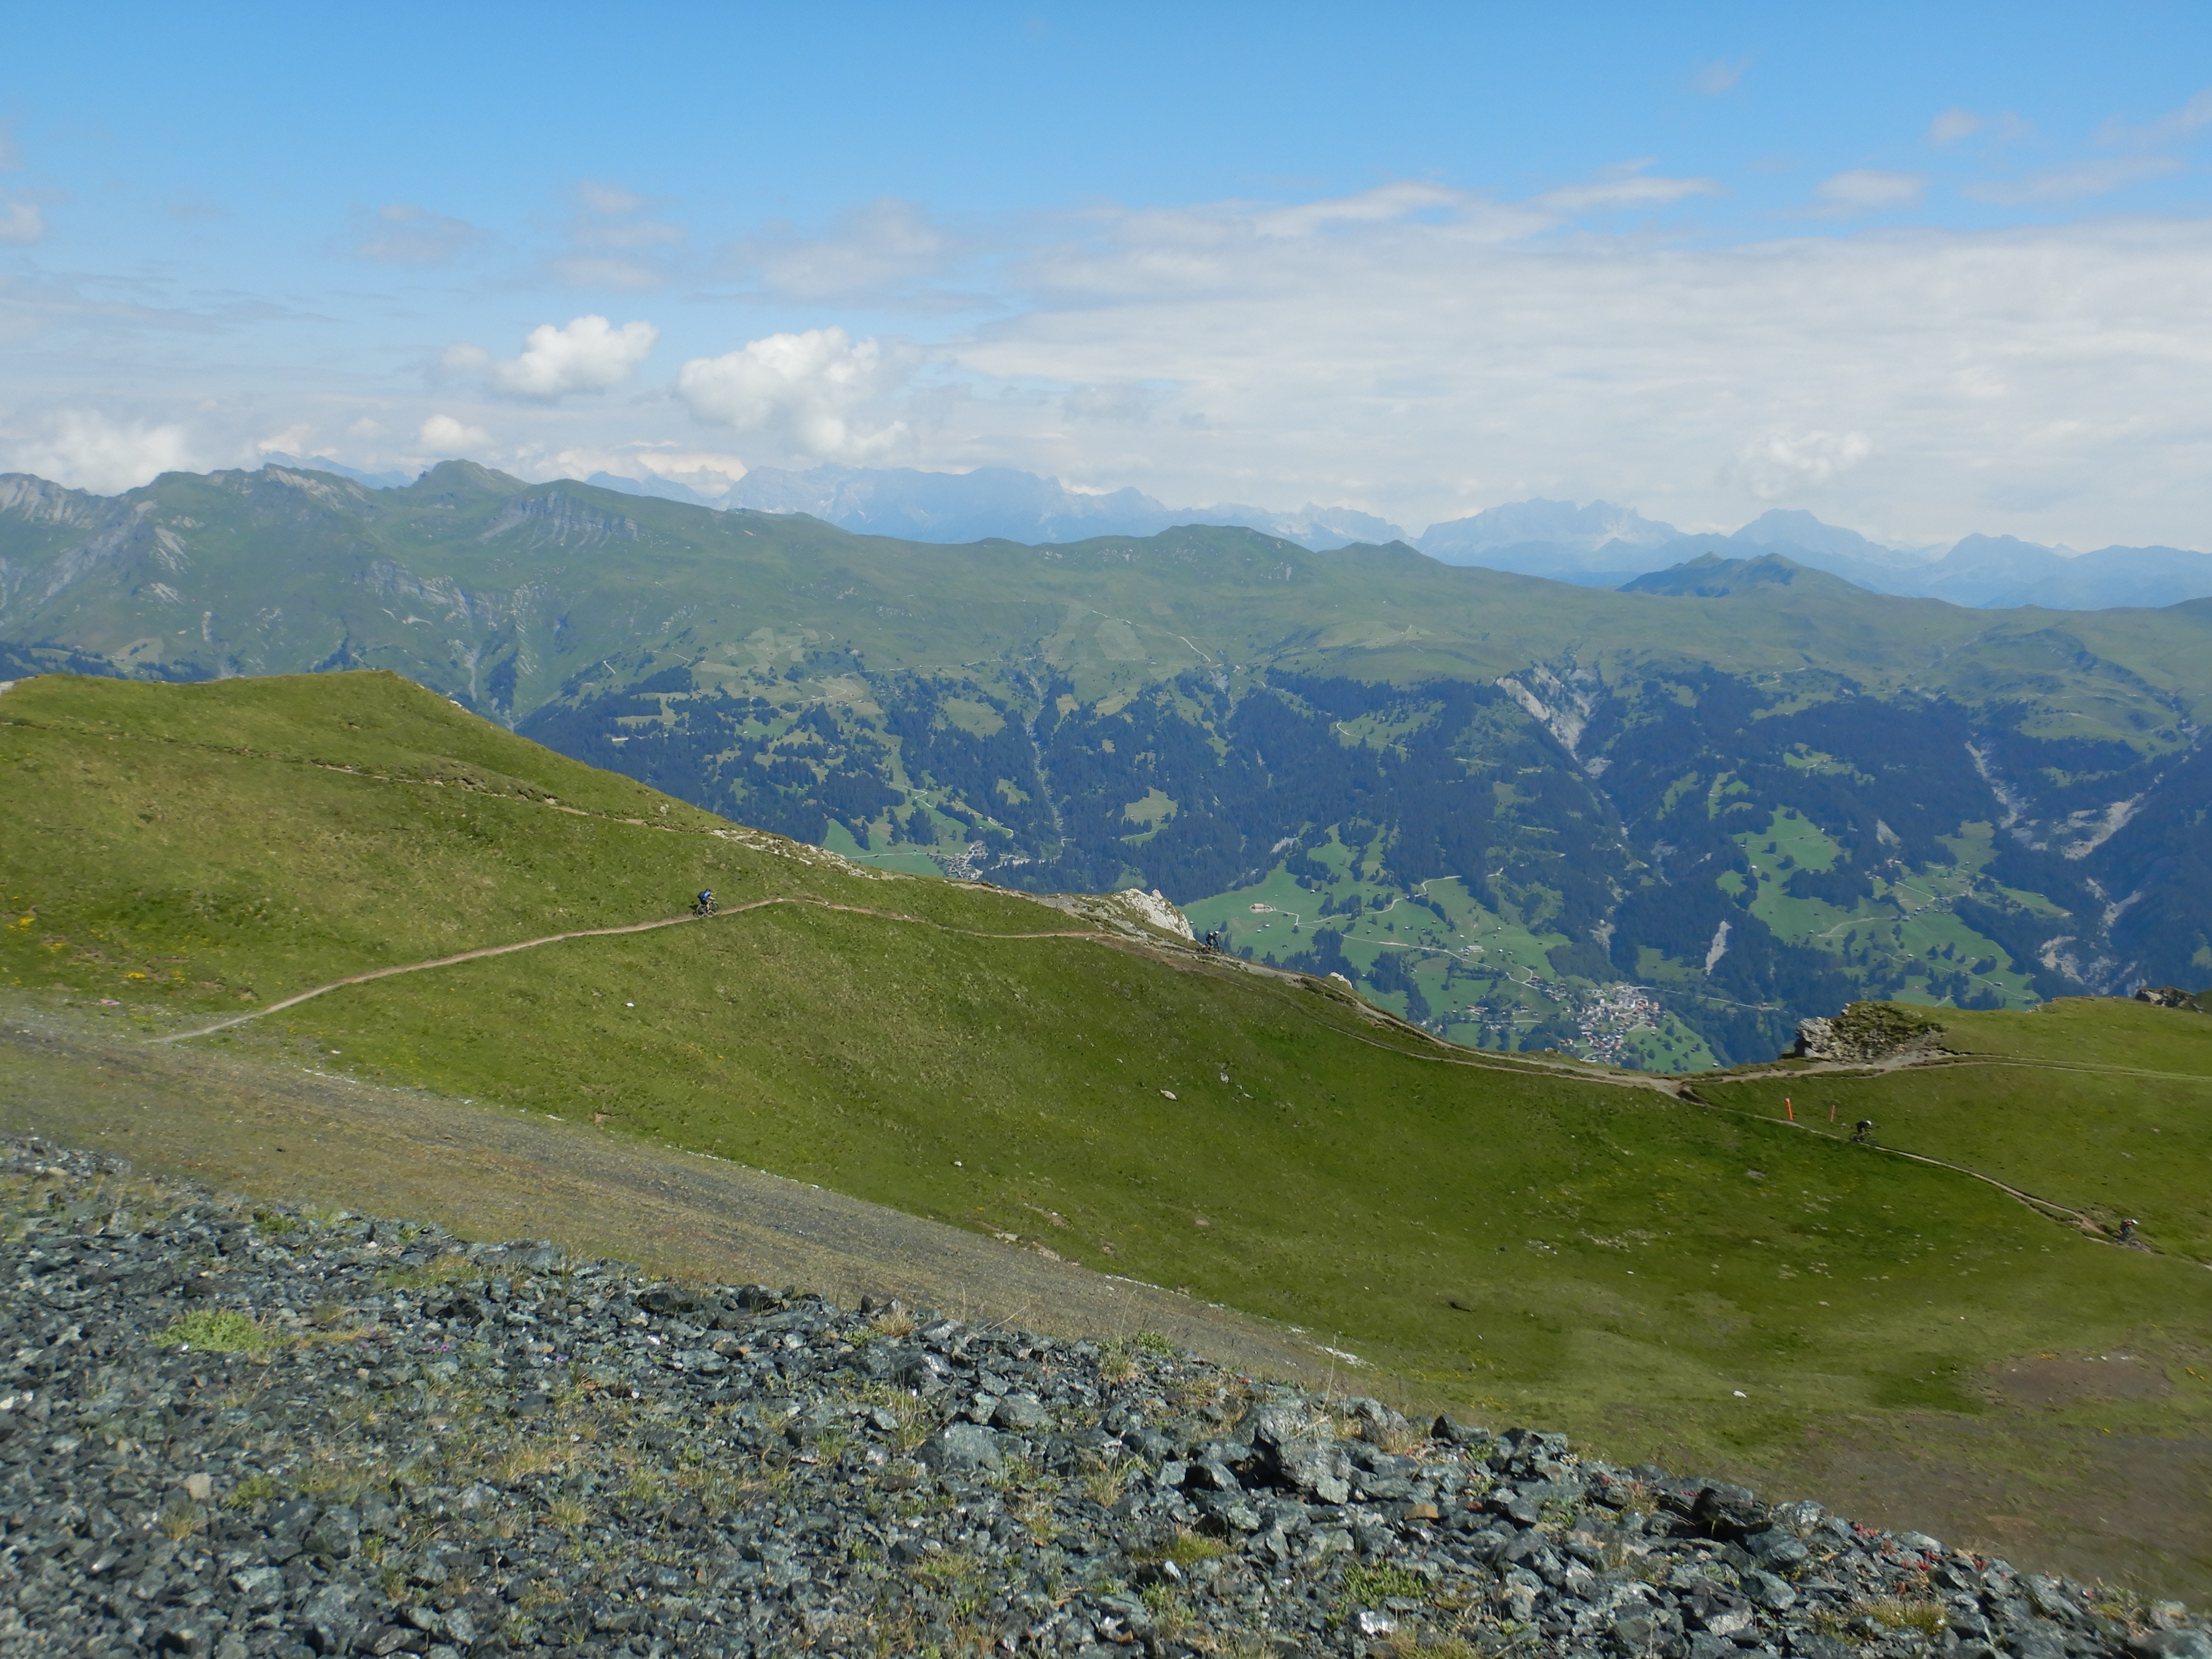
(1029,832)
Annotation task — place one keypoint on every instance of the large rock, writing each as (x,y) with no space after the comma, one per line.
(1302,1454)
(961,1449)
(1865,1032)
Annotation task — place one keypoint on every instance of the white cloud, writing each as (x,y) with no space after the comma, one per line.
(1428,366)
(882,250)
(1721,76)
(1381,205)
(403,234)
(2175,125)
(615,241)
(2077,183)
(1784,465)
(611,199)
(441,434)
(86,450)
(1627,187)
(807,391)
(461,361)
(709,472)
(1956,124)
(589,354)
(1953,125)
(21,223)
(1865,189)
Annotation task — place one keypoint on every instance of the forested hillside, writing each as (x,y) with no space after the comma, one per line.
(1656,827)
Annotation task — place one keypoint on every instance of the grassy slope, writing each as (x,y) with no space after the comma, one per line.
(1624,1262)
(2124,1130)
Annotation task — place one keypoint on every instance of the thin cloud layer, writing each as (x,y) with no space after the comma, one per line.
(2174,125)
(21,223)
(1424,370)
(1863,190)
(2078,182)
(401,233)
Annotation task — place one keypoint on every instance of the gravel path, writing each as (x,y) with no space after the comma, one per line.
(249,1432)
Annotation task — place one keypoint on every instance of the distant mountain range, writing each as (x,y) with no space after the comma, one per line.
(1657,826)
(1592,545)
(997,503)
(1601,545)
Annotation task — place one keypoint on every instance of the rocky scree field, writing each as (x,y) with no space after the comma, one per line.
(248,1431)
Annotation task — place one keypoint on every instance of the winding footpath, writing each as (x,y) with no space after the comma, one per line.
(1673,1088)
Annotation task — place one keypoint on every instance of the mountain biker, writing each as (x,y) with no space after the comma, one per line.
(706,905)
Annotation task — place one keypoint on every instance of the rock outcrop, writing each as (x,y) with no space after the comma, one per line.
(1866,1032)
(2170,996)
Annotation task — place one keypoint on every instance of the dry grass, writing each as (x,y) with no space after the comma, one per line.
(895,1322)
(1397,1436)
(533,1457)
(1898,1612)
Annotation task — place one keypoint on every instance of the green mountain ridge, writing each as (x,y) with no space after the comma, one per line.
(1656,827)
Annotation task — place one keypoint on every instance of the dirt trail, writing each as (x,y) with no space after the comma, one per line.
(1673,1088)
(305,1135)
(601,933)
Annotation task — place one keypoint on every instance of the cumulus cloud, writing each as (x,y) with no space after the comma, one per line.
(401,233)
(441,434)
(2175,125)
(807,391)
(86,450)
(1784,465)
(21,223)
(1862,190)
(589,354)
(2078,182)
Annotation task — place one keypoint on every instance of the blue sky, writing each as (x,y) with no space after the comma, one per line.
(1922,270)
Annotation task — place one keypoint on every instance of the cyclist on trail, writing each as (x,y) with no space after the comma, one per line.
(706,905)
(1864,1132)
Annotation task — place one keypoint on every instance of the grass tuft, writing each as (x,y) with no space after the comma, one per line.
(217,1330)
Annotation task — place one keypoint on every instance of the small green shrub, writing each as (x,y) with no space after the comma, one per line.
(1896,1612)
(1368,1585)
(217,1330)
(252,1491)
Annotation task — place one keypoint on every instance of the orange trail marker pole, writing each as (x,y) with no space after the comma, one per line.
(1788,1108)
